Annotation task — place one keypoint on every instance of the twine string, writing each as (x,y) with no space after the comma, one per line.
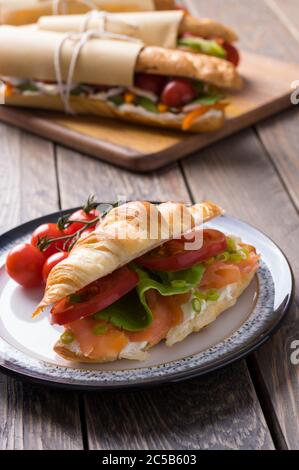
(94,14)
(80,39)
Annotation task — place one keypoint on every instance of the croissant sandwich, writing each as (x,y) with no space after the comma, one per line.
(114,78)
(20,12)
(148,273)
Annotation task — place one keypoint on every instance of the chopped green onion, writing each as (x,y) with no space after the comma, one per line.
(100,330)
(213,295)
(231,245)
(236,258)
(223,256)
(200,295)
(67,337)
(244,253)
(75,298)
(179,283)
(196,305)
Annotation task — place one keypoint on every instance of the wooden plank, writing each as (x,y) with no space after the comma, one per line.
(244,171)
(80,176)
(209,413)
(287,13)
(246,184)
(31,417)
(266,91)
(278,134)
(284,147)
(221,411)
(280,138)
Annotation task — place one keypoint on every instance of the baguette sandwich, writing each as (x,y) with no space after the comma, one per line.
(170,29)
(20,12)
(149,85)
(117,296)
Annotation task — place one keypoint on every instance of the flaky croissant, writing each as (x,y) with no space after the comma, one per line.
(123,235)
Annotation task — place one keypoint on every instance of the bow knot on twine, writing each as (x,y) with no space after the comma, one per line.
(80,39)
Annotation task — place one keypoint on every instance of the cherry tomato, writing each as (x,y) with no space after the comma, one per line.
(149,82)
(232,54)
(178,93)
(95,297)
(85,217)
(24,264)
(52,261)
(50,231)
(173,257)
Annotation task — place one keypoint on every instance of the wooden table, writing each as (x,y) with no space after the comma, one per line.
(253,404)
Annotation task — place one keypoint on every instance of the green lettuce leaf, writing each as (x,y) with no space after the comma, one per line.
(116,99)
(132,312)
(147,104)
(204,46)
(208,99)
(28,86)
(127,313)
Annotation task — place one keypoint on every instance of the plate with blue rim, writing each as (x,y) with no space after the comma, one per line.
(26,344)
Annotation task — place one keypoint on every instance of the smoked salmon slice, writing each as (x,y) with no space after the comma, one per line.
(167,313)
(220,273)
(108,344)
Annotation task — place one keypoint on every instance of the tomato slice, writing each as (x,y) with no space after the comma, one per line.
(173,257)
(232,54)
(95,297)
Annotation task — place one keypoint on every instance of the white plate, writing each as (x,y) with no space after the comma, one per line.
(26,345)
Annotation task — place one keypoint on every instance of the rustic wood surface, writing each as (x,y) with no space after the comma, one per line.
(266,182)
(250,405)
(30,417)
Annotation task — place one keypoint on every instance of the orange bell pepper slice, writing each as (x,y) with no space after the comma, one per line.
(8,90)
(193,115)
(129,98)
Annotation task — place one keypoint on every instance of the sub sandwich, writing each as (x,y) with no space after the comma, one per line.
(121,79)
(172,29)
(133,282)
(20,12)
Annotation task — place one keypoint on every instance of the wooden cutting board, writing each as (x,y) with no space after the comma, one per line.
(267,91)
